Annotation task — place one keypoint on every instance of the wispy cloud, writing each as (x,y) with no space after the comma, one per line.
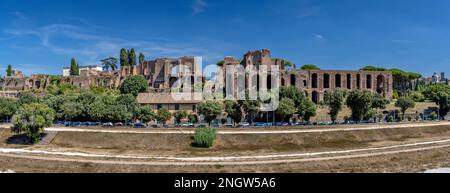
(198,6)
(320,37)
(90,46)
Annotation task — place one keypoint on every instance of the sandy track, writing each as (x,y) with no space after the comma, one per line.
(241,160)
(262,131)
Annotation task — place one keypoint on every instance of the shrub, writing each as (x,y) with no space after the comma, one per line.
(204,137)
(391,118)
(433,116)
(410,118)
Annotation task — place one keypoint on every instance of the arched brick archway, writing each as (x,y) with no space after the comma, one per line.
(293,79)
(314,81)
(338,81)
(315,97)
(326,81)
(380,85)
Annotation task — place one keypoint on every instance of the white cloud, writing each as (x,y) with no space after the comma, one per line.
(199,6)
(319,37)
(90,46)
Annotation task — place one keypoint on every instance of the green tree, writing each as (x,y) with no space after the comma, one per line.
(360,102)
(293,93)
(7,108)
(310,67)
(404,103)
(71,111)
(134,85)
(417,96)
(288,63)
(74,69)
(110,62)
(210,110)
(31,119)
(335,101)
(440,94)
(132,57)
(27,98)
(9,70)
(124,57)
(179,115)
(163,115)
(307,109)
(234,111)
(192,118)
(220,63)
(145,114)
(141,58)
(286,108)
(250,107)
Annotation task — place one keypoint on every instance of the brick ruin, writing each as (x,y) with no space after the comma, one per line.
(315,83)
(163,73)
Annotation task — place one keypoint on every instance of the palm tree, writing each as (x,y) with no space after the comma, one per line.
(110,62)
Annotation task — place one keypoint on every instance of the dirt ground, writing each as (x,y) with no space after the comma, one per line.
(404,162)
(181,144)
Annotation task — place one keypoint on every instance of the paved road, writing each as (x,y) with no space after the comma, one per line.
(249,131)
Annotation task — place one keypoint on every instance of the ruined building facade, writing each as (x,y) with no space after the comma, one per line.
(163,74)
(315,83)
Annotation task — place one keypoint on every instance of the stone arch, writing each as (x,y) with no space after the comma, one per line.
(315,97)
(380,85)
(349,81)
(338,81)
(326,81)
(314,80)
(293,79)
(38,84)
(369,81)
(358,81)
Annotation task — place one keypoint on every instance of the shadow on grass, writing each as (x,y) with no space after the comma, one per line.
(21,139)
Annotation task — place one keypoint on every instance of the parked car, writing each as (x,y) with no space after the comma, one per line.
(229,125)
(187,125)
(244,124)
(119,124)
(139,125)
(108,124)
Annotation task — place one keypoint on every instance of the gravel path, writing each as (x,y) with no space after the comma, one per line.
(233,160)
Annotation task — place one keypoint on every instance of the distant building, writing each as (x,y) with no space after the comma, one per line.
(437,79)
(92,69)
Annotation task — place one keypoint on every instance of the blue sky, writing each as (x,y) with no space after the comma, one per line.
(41,36)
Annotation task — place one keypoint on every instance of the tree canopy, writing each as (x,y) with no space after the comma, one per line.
(335,101)
(9,70)
(210,110)
(31,119)
(74,68)
(310,67)
(134,85)
(124,57)
(404,103)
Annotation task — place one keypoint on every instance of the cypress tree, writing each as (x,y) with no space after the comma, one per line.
(132,57)
(123,57)
(9,70)
(74,69)
(141,58)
